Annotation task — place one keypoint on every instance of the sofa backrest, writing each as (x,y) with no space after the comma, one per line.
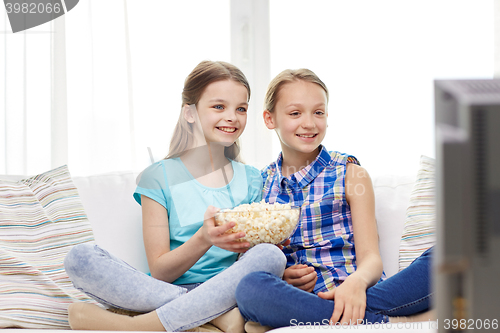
(114,214)
(116,217)
(392,197)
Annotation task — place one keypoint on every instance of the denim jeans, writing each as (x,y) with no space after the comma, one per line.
(270,301)
(114,283)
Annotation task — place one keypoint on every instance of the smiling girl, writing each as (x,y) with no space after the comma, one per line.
(194,272)
(334,269)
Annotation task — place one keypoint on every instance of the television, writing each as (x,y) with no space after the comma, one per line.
(466,262)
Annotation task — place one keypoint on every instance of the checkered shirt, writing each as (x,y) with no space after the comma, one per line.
(324,237)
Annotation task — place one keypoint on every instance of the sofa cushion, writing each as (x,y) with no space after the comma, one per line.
(392,195)
(115,217)
(419,229)
(41,218)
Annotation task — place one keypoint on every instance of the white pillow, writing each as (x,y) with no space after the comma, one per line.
(41,218)
(419,230)
(115,217)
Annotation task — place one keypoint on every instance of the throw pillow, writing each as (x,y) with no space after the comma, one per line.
(41,218)
(419,230)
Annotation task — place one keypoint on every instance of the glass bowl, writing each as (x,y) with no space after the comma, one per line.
(272,224)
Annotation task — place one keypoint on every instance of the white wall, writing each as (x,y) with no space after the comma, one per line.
(379,60)
(126,64)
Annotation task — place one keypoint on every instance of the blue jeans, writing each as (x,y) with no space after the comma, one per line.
(270,301)
(114,283)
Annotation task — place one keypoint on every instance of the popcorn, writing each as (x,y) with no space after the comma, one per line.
(262,222)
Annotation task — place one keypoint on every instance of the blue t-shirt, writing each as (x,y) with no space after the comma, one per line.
(169,183)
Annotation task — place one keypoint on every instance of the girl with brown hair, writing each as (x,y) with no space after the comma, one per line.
(194,272)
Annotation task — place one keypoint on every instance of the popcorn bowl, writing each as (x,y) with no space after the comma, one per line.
(262,222)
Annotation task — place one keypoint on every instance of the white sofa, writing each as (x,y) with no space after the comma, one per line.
(116,217)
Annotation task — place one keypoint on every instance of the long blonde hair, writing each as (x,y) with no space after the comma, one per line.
(288,76)
(203,74)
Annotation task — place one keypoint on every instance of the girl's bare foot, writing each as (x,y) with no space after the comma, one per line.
(86,316)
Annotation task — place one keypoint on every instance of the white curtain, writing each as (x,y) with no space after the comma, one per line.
(25,98)
(126,62)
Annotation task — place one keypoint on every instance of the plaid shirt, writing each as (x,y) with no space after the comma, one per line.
(324,238)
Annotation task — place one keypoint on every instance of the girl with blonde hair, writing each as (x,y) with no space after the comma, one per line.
(334,271)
